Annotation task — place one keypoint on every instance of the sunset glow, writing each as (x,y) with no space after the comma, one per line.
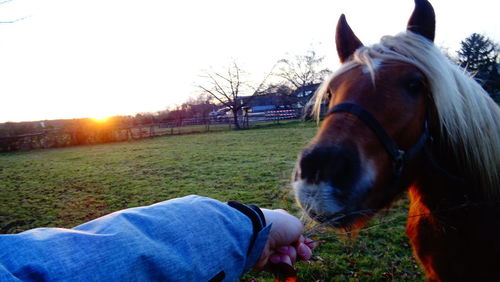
(76,59)
(101,119)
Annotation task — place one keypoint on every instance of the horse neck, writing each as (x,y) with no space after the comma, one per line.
(450,203)
(450,225)
(443,183)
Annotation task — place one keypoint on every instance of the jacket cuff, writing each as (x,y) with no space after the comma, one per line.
(258,247)
(260,231)
(252,212)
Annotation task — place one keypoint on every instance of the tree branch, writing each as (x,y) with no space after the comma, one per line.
(215,96)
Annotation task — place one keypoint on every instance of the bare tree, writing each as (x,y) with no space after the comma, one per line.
(228,89)
(302,70)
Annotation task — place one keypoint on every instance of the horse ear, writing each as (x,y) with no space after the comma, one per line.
(346,40)
(423,20)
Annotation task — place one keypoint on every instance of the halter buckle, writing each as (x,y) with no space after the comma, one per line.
(399,161)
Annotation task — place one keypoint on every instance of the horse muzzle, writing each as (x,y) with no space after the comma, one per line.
(329,184)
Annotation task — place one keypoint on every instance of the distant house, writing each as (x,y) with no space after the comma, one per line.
(262,103)
(304,94)
(273,101)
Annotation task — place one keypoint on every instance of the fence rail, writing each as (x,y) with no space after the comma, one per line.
(52,138)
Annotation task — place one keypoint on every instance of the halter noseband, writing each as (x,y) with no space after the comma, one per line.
(399,157)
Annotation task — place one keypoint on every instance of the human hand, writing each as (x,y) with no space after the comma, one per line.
(286,243)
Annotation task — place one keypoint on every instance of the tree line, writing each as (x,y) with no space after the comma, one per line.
(479,55)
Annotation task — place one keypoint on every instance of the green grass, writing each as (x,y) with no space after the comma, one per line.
(68,186)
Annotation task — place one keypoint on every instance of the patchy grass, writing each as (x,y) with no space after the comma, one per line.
(68,186)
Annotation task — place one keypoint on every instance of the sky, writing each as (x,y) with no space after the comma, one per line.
(98,58)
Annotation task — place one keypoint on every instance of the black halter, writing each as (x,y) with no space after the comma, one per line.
(399,157)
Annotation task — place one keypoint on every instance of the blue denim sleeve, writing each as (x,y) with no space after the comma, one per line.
(185,239)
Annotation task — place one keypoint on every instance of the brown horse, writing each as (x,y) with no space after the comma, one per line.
(401,117)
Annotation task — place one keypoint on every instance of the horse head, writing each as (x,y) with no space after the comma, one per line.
(373,132)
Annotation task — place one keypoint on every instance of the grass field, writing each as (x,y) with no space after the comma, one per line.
(65,187)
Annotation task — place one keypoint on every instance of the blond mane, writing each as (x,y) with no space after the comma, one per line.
(467,115)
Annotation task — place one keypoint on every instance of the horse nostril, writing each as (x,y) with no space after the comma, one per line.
(335,165)
(311,163)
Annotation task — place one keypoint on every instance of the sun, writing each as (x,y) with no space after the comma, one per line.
(100,119)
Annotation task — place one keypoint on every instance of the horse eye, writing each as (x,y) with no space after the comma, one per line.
(414,86)
(328,95)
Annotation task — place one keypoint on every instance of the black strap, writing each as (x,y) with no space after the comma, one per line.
(400,157)
(421,142)
(219,277)
(260,213)
(254,214)
(372,123)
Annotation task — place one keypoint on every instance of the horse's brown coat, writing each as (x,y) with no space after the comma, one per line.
(454,230)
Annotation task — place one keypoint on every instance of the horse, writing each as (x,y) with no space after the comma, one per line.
(399,116)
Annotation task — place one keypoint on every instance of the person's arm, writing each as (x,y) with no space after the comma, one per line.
(186,239)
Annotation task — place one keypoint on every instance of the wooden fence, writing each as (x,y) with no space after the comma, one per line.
(54,138)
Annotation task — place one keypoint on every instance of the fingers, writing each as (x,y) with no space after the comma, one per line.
(285,244)
(310,243)
(284,254)
(280,258)
(302,250)
(289,254)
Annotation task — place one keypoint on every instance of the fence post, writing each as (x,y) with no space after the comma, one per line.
(152,130)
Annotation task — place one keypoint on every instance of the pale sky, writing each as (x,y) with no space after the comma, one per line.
(96,58)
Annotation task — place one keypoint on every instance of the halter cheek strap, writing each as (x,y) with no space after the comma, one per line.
(399,157)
